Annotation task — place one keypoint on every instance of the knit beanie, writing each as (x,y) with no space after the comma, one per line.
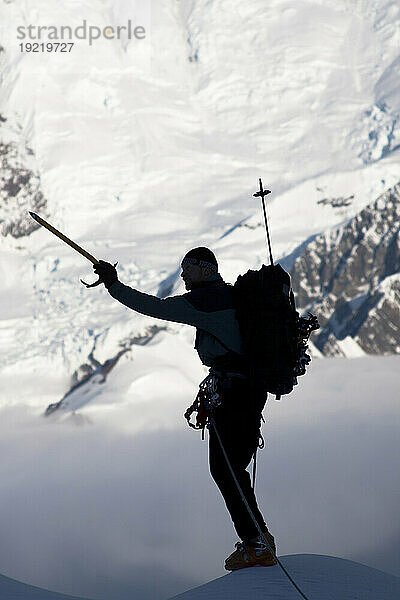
(201,256)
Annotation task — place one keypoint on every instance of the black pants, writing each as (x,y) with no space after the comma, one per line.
(238,424)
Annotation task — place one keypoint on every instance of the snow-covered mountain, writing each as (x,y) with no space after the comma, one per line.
(350,277)
(19,183)
(139,150)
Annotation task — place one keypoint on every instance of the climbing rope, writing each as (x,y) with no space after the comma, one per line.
(263,537)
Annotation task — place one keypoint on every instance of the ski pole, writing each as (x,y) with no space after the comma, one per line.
(65,239)
(263,193)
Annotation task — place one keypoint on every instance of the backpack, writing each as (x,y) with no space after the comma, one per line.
(274,335)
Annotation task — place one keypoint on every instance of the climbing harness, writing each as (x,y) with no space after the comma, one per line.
(208,398)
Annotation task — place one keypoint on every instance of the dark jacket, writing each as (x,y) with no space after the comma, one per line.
(209,308)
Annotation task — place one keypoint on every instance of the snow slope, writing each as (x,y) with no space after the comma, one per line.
(10,589)
(319,578)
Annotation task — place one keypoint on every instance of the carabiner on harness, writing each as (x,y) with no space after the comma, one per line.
(208,398)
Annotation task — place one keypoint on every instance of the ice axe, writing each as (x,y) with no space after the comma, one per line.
(73,245)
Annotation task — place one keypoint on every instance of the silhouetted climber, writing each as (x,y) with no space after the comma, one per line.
(209,307)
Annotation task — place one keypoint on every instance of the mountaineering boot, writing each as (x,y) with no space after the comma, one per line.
(252,553)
